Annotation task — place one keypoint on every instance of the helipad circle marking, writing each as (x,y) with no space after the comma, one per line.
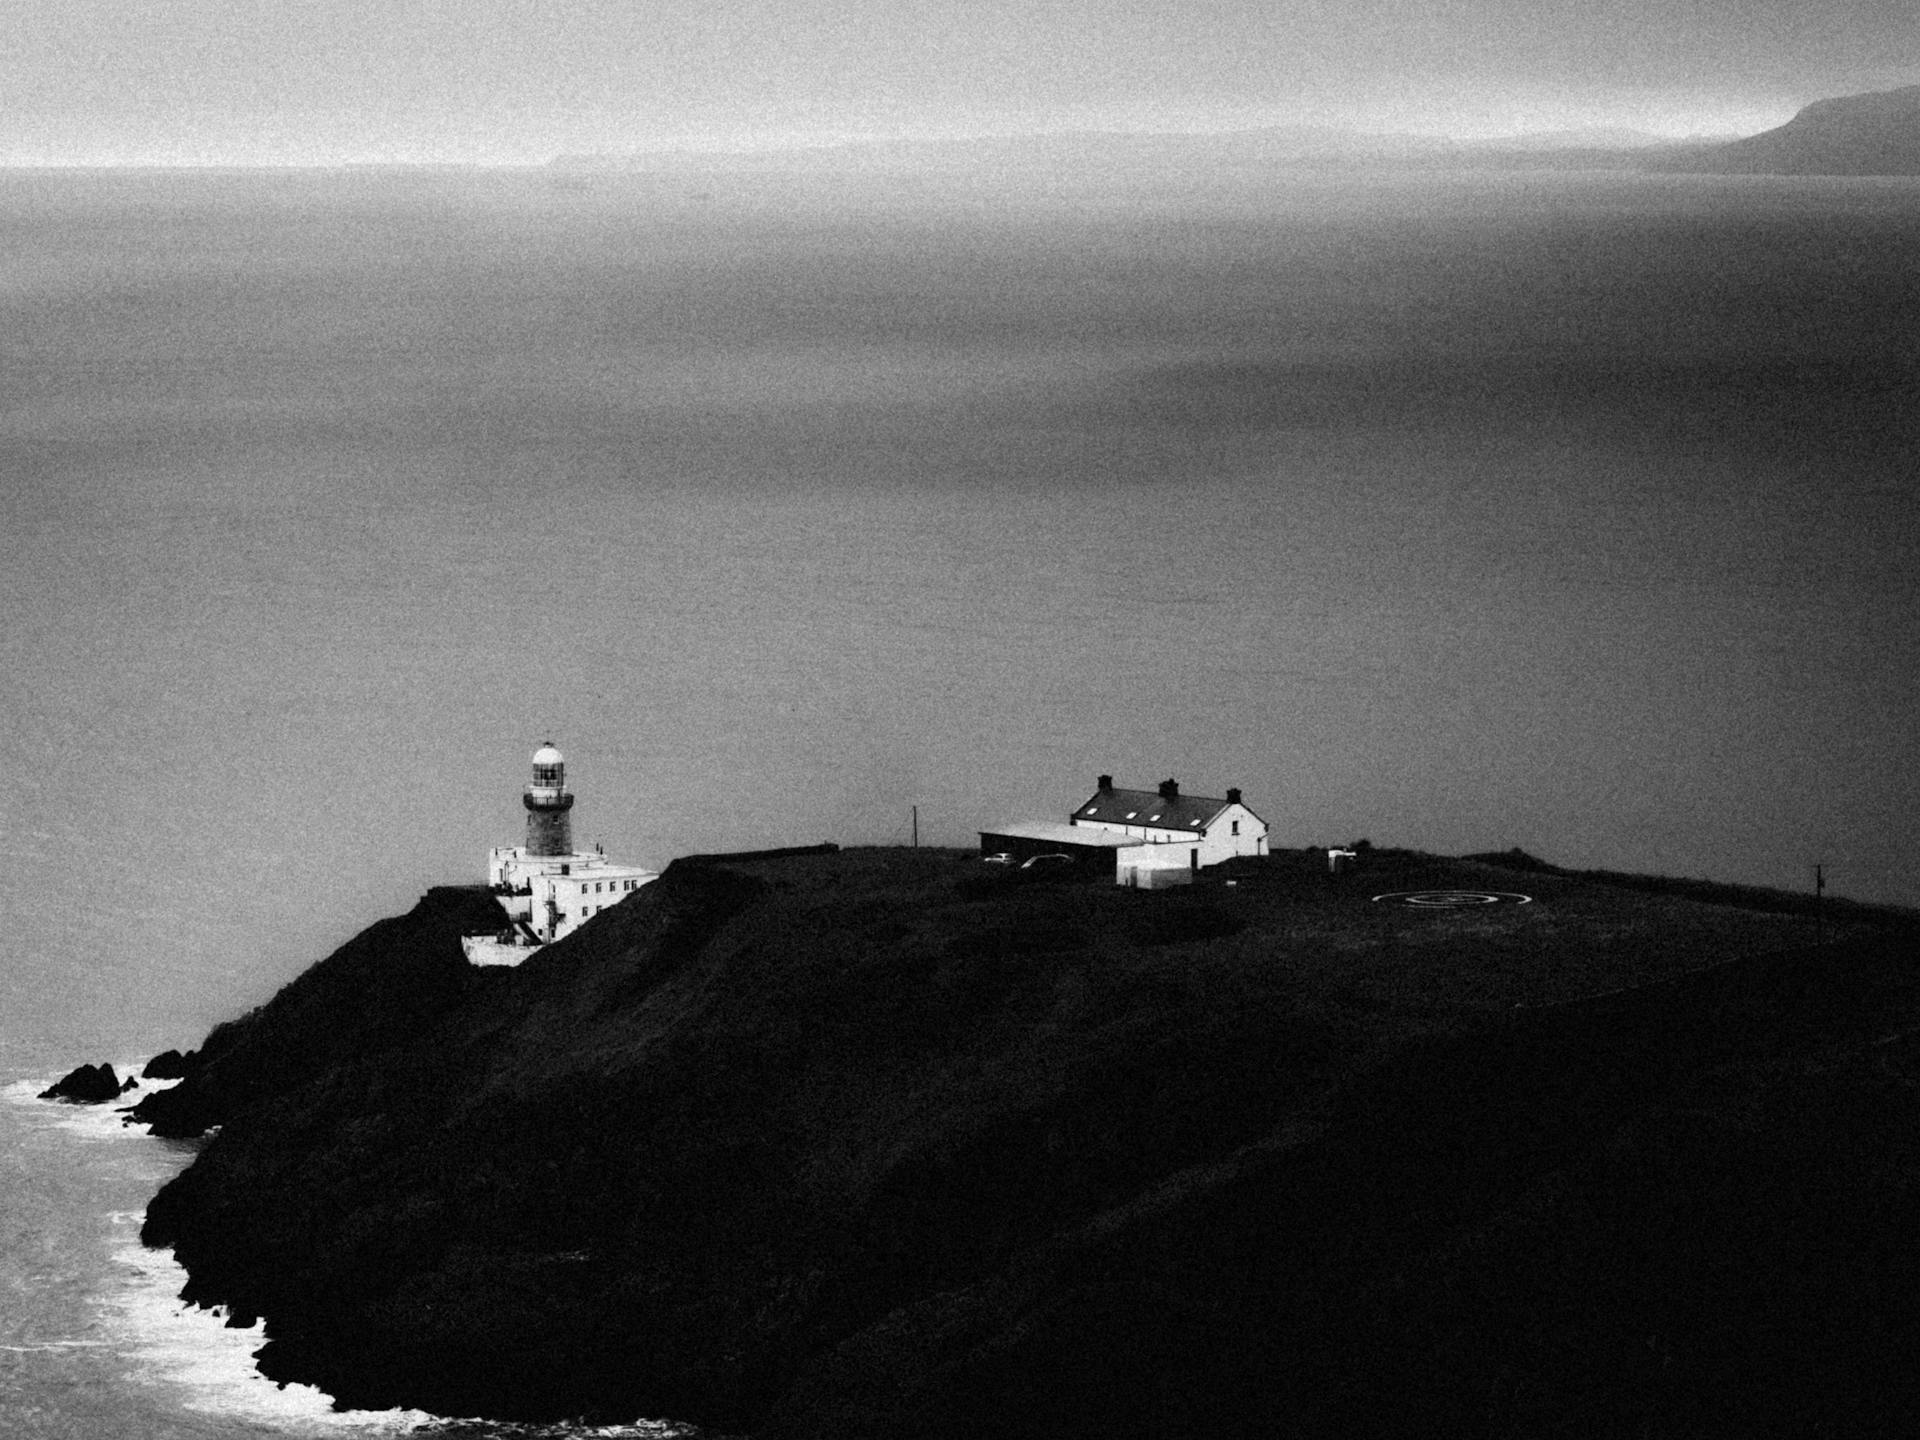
(1452,899)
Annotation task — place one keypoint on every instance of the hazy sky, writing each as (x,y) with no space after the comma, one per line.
(517,80)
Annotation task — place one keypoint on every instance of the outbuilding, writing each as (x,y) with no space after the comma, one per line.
(1027,843)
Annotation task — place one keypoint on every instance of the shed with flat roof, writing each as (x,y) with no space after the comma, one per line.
(1093,852)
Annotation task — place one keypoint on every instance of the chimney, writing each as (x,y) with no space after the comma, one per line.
(1106,784)
(1233,795)
(1169,790)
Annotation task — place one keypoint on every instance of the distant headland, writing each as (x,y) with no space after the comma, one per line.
(901,1143)
(1874,134)
(1869,134)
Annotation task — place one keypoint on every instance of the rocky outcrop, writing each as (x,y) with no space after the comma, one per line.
(169,1065)
(856,1145)
(88,1085)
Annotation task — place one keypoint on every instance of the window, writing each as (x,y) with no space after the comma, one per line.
(1236,827)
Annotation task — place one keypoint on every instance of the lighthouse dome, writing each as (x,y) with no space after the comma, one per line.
(548,755)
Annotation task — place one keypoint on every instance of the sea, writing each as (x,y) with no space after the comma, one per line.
(1569,511)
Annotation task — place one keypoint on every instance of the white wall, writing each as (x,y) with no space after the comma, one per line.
(1217,844)
(1222,844)
(574,897)
(558,904)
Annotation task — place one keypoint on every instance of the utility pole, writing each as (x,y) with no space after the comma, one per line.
(916,827)
(1819,915)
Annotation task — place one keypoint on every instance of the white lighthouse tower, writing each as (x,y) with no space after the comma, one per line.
(548,888)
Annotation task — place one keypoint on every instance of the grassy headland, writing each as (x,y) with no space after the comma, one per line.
(889,1143)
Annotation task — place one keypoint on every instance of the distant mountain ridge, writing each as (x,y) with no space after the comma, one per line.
(1870,134)
(1277,144)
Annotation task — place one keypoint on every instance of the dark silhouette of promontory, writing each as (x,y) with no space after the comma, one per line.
(888,1143)
(1875,134)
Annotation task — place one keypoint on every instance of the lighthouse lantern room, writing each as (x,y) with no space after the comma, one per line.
(549,831)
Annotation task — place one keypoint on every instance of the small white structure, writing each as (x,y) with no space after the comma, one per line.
(548,888)
(1175,835)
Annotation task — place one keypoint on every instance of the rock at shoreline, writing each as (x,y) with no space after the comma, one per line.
(169,1065)
(88,1085)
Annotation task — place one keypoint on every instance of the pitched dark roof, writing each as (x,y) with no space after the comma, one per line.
(1150,807)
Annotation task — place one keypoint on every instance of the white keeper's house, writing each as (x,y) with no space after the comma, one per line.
(548,888)
(1150,838)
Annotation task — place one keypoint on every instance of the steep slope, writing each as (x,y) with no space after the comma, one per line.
(384,989)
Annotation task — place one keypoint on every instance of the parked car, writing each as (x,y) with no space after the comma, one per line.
(1047,862)
(1003,858)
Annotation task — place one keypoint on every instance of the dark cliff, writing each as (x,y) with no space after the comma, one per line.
(381,990)
(875,1144)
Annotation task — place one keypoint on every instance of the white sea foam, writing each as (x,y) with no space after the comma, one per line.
(195,1352)
(169,1344)
(207,1366)
(211,1365)
(96,1122)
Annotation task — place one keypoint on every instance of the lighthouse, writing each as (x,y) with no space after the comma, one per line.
(549,830)
(546,887)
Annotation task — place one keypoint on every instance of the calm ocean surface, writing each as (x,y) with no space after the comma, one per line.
(1569,512)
